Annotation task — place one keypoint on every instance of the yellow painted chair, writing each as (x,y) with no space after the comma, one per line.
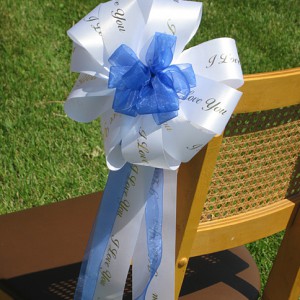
(242,187)
(246,184)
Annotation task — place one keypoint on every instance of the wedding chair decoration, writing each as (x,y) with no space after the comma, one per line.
(159,106)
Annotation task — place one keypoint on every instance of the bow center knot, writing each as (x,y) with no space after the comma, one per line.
(155,88)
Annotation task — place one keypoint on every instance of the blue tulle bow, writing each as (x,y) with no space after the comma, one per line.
(152,89)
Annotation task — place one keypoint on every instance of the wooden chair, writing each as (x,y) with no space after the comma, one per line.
(243,186)
(246,183)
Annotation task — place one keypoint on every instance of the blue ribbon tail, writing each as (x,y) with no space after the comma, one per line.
(101,232)
(154,220)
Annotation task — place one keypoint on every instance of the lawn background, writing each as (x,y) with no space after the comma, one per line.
(46,157)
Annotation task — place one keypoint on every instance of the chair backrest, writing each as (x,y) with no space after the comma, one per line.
(245,183)
(238,185)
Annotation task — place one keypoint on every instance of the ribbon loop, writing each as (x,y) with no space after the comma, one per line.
(181,78)
(127,72)
(160,52)
(160,96)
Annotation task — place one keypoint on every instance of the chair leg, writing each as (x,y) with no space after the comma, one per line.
(4,296)
(284,279)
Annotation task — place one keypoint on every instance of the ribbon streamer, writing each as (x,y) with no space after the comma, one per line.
(152,231)
(143,273)
(121,241)
(101,232)
(159,106)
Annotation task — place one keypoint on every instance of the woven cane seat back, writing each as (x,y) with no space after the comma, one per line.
(258,163)
(245,184)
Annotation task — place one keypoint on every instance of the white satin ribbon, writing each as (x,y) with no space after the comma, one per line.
(119,251)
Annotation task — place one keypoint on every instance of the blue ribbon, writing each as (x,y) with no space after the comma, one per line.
(101,232)
(152,89)
(99,238)
(154,219)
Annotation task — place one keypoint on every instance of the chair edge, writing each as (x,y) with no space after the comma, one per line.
(272,74)
(272,218)
(270,90)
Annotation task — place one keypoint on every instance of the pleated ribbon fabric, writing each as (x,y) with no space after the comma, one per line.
(159,106)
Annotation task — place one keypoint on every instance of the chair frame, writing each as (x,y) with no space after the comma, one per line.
(193,238)
(263,91)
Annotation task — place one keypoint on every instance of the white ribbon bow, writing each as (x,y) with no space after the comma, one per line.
(201,116)
(139,140)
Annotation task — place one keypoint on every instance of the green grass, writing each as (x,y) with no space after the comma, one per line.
(46,157)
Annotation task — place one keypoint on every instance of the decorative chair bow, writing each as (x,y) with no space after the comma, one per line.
(153,89)
(159,105)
